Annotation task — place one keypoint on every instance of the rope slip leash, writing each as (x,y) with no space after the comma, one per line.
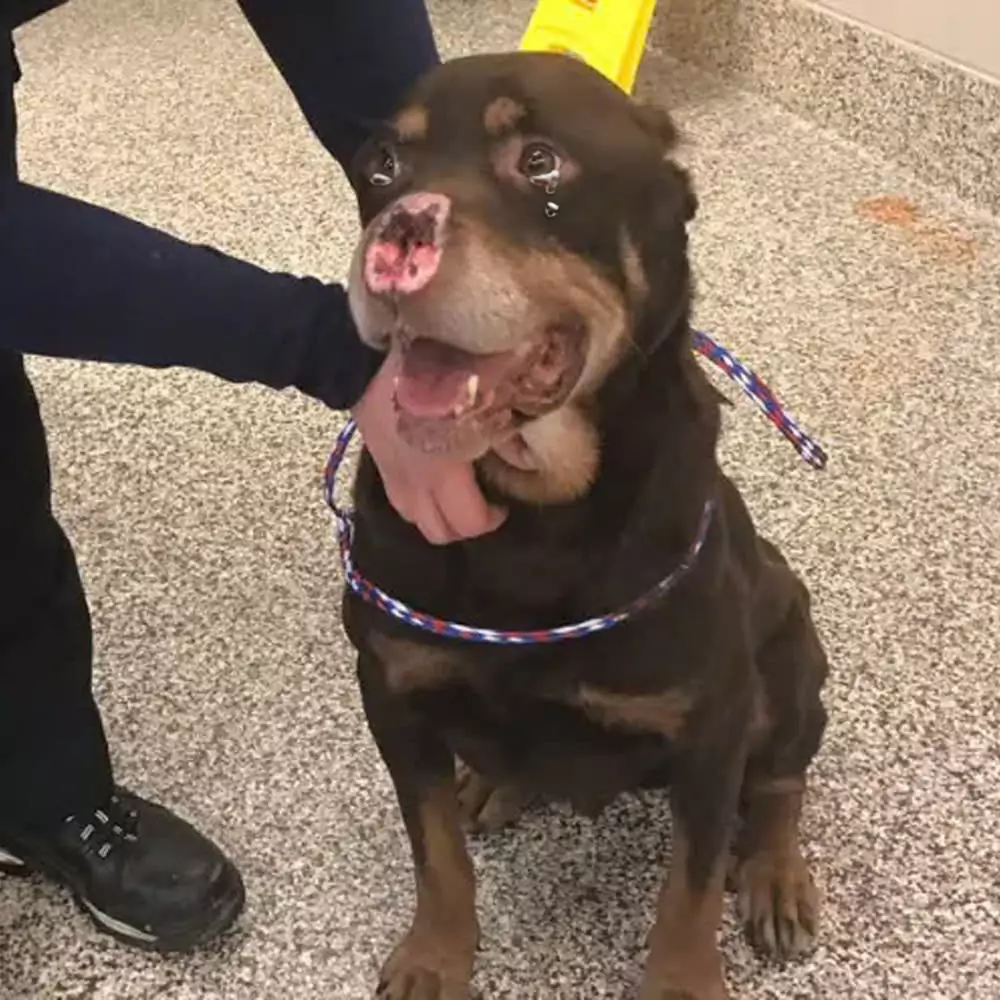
(809,449)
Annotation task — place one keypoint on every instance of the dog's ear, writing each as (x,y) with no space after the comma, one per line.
(657,123)
(689,200)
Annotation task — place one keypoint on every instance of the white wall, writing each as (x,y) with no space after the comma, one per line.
(965,31)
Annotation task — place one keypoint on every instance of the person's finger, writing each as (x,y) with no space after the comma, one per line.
(430,522)
(497,516)
(470,517)
(462,504)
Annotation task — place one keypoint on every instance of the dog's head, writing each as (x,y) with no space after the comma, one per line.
(524,231)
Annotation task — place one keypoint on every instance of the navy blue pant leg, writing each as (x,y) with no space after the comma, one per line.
(53,755)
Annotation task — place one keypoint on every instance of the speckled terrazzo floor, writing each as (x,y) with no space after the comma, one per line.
(227,684)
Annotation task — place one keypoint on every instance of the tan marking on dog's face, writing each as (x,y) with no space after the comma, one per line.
(554,459)
(590,295)
(502,115)
(632,266)
(411,123)
(486,295)
(663,713)
(488,292)
(413,666)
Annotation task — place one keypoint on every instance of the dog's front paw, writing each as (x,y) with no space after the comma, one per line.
(424,968)
(683,977)
(778,904)
(487,806)
(669,993)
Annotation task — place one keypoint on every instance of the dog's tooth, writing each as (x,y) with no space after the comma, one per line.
(471,394)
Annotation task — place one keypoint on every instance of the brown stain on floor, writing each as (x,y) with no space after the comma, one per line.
(940,243)
(890,209)
(943,243)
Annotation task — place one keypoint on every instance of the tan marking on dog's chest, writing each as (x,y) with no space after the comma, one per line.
(663,713)
(414,666)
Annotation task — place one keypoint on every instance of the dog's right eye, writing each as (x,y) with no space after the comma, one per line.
(539,163)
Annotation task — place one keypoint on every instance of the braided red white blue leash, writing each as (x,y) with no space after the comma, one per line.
(809,449)
(758,391)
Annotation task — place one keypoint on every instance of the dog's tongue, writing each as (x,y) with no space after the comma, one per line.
(437,380)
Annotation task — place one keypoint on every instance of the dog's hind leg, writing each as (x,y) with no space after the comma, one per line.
(434,960)
(777,899)
(488,806)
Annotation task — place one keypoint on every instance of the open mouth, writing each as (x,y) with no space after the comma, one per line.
(454,401)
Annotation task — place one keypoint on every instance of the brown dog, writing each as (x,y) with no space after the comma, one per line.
(525,262)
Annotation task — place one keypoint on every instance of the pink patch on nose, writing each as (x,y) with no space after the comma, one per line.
(389,268)
(405,251)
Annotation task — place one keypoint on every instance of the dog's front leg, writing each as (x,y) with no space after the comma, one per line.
(434,960)
(684,960)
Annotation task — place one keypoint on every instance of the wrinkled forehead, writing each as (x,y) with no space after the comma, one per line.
(473,101)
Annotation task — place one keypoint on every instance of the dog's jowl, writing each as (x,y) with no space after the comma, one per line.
(524,264)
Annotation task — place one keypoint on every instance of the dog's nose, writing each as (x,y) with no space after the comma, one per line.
(405,252)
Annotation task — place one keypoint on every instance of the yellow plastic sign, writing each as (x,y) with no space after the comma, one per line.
(608,35)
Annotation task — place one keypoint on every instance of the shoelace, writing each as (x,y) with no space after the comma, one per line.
(106,828)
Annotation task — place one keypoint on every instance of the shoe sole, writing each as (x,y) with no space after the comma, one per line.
(223,915)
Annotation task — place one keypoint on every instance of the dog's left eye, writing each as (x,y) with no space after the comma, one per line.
(384,168)
(539,163)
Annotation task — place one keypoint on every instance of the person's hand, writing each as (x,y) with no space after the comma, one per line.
(438,495)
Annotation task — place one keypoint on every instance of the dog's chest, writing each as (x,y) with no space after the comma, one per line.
(542,722)
(551,748)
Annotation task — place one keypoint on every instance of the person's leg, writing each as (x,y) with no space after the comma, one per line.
(53,757)
(142,873)
(8,124)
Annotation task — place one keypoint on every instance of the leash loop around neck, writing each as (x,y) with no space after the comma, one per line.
(809,449)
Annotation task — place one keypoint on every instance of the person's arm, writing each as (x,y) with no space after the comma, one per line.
(349,63)
(78,281)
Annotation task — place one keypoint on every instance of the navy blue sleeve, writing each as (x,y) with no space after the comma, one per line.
(78,281)
(349,63)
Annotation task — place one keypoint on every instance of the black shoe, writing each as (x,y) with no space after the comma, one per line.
(142,874)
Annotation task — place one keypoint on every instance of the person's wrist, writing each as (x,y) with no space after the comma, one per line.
(363,361)
(337,366)
(369,363)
